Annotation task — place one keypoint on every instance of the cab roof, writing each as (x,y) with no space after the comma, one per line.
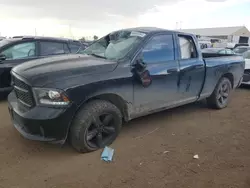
(152,30)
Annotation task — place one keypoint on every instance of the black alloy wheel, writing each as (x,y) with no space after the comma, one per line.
(223,93)
(96,125)
(101,130)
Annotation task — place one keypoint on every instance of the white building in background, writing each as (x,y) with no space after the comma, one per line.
(239,34)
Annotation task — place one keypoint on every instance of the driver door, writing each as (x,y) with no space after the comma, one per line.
(158,57)
(15,54)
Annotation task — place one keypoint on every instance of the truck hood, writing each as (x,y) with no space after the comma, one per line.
(43,71)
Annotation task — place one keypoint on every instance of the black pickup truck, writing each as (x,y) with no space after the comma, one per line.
(126,74)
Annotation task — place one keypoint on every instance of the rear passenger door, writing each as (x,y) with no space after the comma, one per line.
(192,69)
(50,48)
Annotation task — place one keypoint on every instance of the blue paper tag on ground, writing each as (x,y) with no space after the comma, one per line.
(107,154)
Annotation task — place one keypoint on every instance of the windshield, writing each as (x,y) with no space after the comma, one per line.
(116,45)
(240,50)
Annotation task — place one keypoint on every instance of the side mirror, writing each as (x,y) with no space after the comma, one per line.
(140,64)
(141,72)
(2,57)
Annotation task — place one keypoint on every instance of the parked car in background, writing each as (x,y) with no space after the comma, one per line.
(205,44)
(241,44)
(124,75)
(230,45)
(217,52)
(20,49)
(241,49)
(246,77)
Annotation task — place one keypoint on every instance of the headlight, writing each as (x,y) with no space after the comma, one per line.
(50,97)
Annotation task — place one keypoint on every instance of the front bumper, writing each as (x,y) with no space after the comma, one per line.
(41,123)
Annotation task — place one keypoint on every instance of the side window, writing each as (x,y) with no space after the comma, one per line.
(187,46)
(74,47)
(53,48)
(21,50)
(159,49)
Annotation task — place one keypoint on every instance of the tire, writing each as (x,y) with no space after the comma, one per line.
(215,101)
(86,127)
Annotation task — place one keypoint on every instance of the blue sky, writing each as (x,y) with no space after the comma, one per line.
(79,18)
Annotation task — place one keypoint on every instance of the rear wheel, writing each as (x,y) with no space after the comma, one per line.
(95,126)
(220,97)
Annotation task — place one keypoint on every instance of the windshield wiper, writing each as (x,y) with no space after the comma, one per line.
(95,55)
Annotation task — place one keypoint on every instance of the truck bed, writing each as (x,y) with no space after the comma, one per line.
(218,64)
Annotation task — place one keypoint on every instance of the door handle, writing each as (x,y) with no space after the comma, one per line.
(174,70)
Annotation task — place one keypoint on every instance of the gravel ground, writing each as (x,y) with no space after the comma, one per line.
(153,151)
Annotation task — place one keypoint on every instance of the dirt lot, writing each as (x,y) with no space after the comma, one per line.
(154,151)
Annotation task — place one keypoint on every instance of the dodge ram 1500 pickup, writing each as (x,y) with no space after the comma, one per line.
(124,75)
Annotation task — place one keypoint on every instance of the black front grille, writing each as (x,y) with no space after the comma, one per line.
(23,92)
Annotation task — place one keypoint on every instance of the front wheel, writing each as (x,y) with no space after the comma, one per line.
(95,126)
(220,96)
